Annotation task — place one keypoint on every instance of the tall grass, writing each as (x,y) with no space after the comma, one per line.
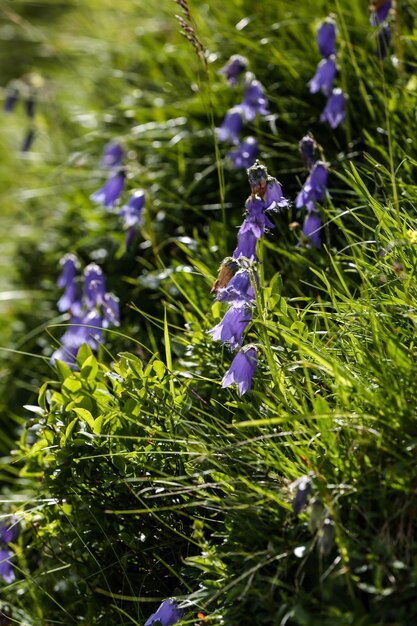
(137,477)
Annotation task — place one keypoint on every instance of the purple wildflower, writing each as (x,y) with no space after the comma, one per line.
(110,191)
(241,370)
(12,96)
(132,215)
(334,111)
(300,498)
(239,291)
(112,155)
(94,285)
(245,154)
(30,107)
(6,569)
(231,126)
(6,533)
(69,299)
(379,11)
(314,189)
(324,76)
(383,41)
(69,264)
(28,140)
(307,147)
(256,220)
(132,211)
(232,326)
(91,329)
(326,36)
(246,244)
(167,614)
(274,199)
(254,100)
(111,314)
(233,68)
(311,228)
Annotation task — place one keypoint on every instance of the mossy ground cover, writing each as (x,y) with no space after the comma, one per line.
(134,475)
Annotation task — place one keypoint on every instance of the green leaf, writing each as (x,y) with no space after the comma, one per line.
(159,368)
(89,368)
(86,416)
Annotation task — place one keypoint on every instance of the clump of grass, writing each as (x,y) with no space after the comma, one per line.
(137,477)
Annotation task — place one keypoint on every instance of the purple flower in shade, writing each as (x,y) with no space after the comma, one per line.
(30,107)
(334,111)
(12,96)
(167,614)
(132,215)
(110,191)
(94,285)
(324,76)
(131,212)
(232,326)
(233,68)
(246,244)
(112,155)
(254,100)
(6,534)
(28,140)
(383,41)
(273,198)
(231,127)
(311,228)
(307,147)
(69,299)
(111,314)
(245,154)
(241,370)
(6,569)
(379,11)
(300,498)
(314,189)
(326,36)
(239,291)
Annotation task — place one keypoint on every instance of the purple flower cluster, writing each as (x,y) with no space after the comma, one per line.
(6,569)
(254,103)
(110,192)
(237,275)
(380,10)
(334,111)
(91,308)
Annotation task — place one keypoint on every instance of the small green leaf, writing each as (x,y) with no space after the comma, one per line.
(159,368)
(86,416)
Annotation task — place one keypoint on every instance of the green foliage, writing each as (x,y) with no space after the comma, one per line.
(136,476)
